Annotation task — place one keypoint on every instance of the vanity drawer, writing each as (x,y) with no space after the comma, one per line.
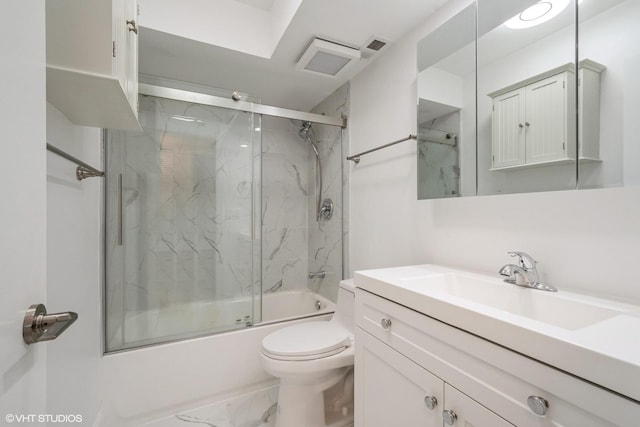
(494,376)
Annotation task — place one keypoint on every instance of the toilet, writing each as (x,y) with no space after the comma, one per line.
(314,362)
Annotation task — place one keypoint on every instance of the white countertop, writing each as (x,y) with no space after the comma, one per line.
(605,352)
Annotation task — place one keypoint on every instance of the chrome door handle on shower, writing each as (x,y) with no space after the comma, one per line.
(119,212)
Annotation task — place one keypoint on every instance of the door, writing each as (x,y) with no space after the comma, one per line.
(508,129)
(546,119)
(391,389)
(23,213)
(468,412)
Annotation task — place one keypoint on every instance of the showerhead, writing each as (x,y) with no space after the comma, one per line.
(305,132)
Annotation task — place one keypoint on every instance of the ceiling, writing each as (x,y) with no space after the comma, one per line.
(253,45)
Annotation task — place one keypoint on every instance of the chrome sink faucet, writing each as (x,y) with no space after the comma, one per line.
(524,273)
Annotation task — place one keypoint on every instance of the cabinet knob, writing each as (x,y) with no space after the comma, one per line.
(449,416)
(430,402)
(538,405)
(132,26)
(527,124)
(385,323)
(520,125)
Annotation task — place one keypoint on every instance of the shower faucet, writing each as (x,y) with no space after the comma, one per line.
(317,274)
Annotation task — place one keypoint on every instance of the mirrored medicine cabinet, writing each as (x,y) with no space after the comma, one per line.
(507,104)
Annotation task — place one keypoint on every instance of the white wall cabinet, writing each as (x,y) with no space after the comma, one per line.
(534,122)
(92,61)
(403,357)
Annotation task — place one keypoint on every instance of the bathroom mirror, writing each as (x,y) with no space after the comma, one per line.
(543,119)
(446,109)
(526,96)
(609,34)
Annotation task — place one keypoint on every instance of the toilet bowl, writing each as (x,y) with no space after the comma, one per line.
(314,362)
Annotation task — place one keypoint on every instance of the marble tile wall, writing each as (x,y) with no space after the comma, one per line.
(285,194)
(329,239)
(438,164)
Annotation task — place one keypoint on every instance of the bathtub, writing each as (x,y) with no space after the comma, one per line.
(159,380)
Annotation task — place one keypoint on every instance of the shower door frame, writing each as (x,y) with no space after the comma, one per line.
(250,107)
(214,101)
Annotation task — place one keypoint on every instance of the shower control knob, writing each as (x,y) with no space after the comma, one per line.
(538,405)
(385,323)
(449,417)
(430,402)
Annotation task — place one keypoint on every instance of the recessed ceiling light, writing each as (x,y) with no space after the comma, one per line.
(243,146)
(537,14)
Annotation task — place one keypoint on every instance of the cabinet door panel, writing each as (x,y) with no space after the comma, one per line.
(546,120)
(469,412)
(508,133)
(391,389)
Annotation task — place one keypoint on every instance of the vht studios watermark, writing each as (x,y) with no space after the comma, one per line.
(43,418)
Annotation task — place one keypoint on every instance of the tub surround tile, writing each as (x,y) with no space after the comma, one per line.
(285,190)
(328,243)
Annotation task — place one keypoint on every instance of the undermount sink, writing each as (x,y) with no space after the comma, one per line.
(561,309)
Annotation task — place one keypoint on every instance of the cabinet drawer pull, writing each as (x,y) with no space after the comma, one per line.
(538,405)
(430,402)
(132,26)
(385,323)
(449,416)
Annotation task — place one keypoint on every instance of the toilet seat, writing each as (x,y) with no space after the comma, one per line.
(306,341)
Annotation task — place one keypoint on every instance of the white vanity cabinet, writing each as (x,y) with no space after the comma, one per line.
(533,122)
(393,390)
(92,61)
(404,357)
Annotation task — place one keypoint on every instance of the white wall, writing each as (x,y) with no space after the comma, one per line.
(74,276)
(587,239)
(23,213)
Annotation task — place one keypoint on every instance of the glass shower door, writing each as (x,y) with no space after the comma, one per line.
(183,224)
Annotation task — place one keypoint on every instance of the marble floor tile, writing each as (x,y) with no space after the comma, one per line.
(248,410)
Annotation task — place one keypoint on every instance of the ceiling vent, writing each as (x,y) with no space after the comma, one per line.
(327,58)
(374,46)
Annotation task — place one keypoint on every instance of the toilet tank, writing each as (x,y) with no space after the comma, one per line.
(345,305)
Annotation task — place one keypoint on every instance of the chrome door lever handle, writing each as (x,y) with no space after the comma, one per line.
(39,326)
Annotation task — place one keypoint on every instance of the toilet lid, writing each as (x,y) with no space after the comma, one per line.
(304,340)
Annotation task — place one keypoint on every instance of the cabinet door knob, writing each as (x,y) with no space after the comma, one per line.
(385,323)
(520,125)
(132,25)
(430,402)
(538,405)
(527,124)
(449,416)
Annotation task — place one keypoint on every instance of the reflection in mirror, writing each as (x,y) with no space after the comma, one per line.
(526,96)
(446,109)
(609,35)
